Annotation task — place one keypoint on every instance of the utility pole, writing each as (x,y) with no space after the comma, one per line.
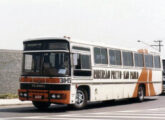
(158,44)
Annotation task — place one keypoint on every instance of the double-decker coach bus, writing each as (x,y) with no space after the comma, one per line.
(62,71)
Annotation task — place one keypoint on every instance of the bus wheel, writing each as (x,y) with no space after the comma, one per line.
(41,105)
(81,99)
(140,96)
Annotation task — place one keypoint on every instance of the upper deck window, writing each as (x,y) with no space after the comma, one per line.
(127,59)
(149,61)
(100,56)
(139,62)
(46,45)
(157,61)
(115,57)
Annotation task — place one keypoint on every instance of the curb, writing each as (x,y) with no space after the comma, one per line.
(5,102)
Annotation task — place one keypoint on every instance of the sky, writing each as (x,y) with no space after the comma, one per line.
(115,22)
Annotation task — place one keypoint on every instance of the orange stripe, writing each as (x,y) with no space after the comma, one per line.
(22,90)
(143,78)
(52,80)
(25,79)
(152,91)
(40,80)
(143,51)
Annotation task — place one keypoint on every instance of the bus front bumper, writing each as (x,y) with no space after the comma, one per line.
(52,96)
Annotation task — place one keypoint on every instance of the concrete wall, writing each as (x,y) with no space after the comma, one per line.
(10,70)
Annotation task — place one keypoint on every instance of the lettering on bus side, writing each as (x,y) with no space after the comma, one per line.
(116,74)
(134,75)
(107,74)
(101,74)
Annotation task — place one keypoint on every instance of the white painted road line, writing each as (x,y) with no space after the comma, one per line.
(128,114)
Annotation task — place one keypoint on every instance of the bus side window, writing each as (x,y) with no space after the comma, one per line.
(149,61)
(100,55)
(115,57)
(157,61)
(127,58)
(82,65)
(138,60)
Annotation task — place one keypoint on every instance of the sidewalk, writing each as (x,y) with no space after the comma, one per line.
(13,102)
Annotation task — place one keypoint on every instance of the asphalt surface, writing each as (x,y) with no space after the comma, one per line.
(153,108)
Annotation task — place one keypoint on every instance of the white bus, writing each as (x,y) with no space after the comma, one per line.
(59,70)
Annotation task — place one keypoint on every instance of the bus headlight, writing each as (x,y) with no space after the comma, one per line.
(21,94)
(25,94)
(58,96)
(53,96)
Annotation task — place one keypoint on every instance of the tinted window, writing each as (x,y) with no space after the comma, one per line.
(139,60)
(46,45)
(104,57)
(83,66)
(33,46)
(100,56)
(85,62)
(127,59)
(148,61)
(57,46)
(157,61)
(97,55)
(115,57)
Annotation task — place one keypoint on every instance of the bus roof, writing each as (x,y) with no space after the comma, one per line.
(90,43)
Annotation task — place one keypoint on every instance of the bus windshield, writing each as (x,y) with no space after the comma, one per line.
(46,64)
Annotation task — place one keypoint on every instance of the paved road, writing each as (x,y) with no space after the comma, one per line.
(153,108)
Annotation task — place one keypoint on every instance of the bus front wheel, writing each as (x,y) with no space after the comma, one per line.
(81,99)
(41,105)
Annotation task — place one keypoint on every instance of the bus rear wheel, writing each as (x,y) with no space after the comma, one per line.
(41,105)
(141,93)
(81,99)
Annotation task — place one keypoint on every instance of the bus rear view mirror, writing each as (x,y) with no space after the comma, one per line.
(75,57)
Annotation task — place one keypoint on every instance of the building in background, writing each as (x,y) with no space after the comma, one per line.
(10,70)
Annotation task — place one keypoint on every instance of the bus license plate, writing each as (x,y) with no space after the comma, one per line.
(38,97)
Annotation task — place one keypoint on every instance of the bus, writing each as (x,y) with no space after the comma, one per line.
(63,71)
(163,61)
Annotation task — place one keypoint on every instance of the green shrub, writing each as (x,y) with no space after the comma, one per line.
(8,96)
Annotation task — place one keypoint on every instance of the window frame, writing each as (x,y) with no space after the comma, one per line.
(133,64)
(152,61)
(120,57)
(85,70)
(107,59)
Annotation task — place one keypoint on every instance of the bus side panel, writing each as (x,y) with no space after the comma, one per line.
(157,79)
(110,91)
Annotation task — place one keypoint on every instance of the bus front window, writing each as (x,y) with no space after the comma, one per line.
(46,64)
(56,64)
(32,64)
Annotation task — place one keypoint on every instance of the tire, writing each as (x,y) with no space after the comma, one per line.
(141,93)
(81,99)
(41,105)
